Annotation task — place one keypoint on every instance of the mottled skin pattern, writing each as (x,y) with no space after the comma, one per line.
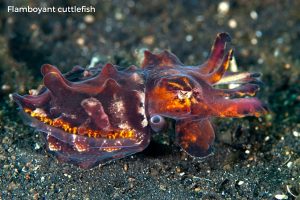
(91,116)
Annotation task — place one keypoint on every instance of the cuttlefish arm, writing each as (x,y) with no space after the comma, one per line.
(195,137)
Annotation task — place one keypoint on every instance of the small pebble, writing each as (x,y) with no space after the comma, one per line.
(149,40)
(119,16)
(5,87)
(260,61)
(267,138)
(223,7)
(163,187)
(154,172)
(89,19)
(254,41)
(12,186)
(241,182)
(2,157)
(37,146)
(258,34)
(227,167)
(80,41)
(27,177)
(130,179)
(6,140)
(276,53)
(189,38)
(296,133)
(253,15)
(281,196)
(34,27)
(287,66)
(232,23)
(125,167)
(181,174)
(199,18)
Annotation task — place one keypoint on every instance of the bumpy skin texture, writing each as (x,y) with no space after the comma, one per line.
(91,116)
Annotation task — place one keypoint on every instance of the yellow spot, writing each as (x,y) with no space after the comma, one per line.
(110,149)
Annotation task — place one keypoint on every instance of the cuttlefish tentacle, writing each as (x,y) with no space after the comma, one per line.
(239,107)
(217,75)
(239,78)
(216,55)
(241,91)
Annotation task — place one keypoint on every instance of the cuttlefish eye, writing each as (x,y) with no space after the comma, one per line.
(157,123)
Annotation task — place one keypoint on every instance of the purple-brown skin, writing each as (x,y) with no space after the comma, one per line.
(91,116)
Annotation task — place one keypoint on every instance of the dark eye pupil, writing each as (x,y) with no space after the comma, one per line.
(155,119)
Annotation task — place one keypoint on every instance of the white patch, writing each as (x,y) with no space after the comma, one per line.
(53,146)
(144,122)
(103,145)
(137,78)
(141,110)
(119,106)
(119,110)
(115,96)
(184,94)
(139,141)
(90,102)
(74,137)
(71,116)
(94,61)
(233,85)
(124,125)
(80,147)
(33,92)
(40,112)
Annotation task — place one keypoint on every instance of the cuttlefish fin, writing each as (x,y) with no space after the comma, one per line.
(195,137)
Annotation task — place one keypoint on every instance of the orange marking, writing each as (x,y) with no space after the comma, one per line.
(176,85)
(54,146)
(81,146)
(186,81)
(68,128)
(169,101)
(110,149)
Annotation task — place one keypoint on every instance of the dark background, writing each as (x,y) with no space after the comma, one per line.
(253,158)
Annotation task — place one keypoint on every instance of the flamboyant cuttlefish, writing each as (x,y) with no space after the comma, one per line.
(91,116)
